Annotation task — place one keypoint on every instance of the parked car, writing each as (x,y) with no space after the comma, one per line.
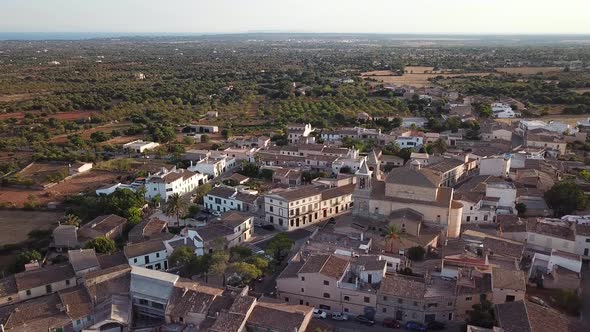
(202,218)
(365,320)
(269,227)
(391,323)
(435,326)
(415,326)
(339,316)
(538,301)
(216,213)
(318,313)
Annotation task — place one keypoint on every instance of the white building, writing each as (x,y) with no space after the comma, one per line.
(109,189)
(213,167)
(234,228)
(223,199)
(149,254)
(496,166)
(417,122)
(502,111)
(150,291)
(300,133)
(547,234)
(179,181)
(140,146)
(353,163)
(410,139)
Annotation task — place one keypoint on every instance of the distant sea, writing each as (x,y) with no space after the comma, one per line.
(83,35)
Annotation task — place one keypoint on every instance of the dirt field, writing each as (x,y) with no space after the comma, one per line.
(86,133)
(39,172)
(88,181)
(71,116)
(581,91)
(416,80)
(528,70)
(15,225)
(569,119)
(22,96)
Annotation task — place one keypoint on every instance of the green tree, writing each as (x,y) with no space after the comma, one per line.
(205,138)
(219,261)
(416,253)
(181,256)
(227,133)
(482,314)
(101,245)
(26,257)
(246,271)
(133,215)
(72,219)
(250,169)
(175,206)
(570,301)
(279,246)
(565,197)
(393,235)
(239,253)
(259,261)
(439,146)
(521,208)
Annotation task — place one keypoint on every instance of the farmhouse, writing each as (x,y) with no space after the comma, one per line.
(140,146)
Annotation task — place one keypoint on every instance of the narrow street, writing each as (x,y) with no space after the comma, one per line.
(586,296)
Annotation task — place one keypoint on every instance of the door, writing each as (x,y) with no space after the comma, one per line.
(399,315)
(429,318)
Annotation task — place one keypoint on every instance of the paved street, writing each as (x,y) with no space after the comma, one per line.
(350,326)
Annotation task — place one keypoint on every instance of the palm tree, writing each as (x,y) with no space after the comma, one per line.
(175,207)
(393,235)
(72,219)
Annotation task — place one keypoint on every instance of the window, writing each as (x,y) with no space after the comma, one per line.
(468,298)
(510,298)
(302,278)
(450,304)
(326,282)
(385,298)
(367,299)
(415,303)
(48,289)
(28,292)
(135,260)
(327,295)
(158,266)
(325,307)
(158,254)
(400,301)
(142,301)
(345,309)
(286,299)
(301,302)
(432,305)
(588,240)
(77,322)
(302,290)
(157,305)
(384,309)
(346,298)
(67,282)
(468,218)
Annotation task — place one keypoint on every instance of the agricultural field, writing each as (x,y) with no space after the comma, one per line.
(529,70)
(42,173)
(418,80)
(15,225)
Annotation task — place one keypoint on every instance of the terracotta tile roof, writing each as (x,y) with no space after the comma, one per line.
(228,322)
(65,236)
(214,231)
(404,287)
(543,319)
(101,225)
(235,218)
(338,191)
(8,286)
(297,193)
(278,317)
(507,279)
(146,229)
(83,259)
(412,177)
(513,317)
(104,283)
(222,192)
(583,230)
(554,229)
(43,276)
(292,270)
(77,302)
(143,248)
(186,300)
(111,260)
(39,314)
(504,247)
(242,304)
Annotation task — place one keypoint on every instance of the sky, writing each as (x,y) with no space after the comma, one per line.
(344,16)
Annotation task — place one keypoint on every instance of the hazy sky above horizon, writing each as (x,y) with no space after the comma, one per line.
(380,16)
